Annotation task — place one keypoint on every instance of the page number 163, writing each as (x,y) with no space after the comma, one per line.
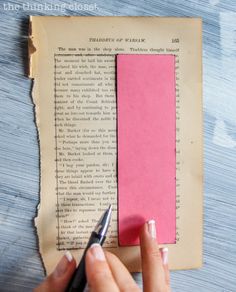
(175,40)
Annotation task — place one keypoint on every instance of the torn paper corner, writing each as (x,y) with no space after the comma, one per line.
(31,51)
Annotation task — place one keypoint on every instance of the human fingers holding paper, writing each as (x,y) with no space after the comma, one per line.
(105,272)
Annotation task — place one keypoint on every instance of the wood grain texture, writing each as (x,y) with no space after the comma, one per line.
(20,265)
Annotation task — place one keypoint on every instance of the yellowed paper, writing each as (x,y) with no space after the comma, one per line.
(72,62)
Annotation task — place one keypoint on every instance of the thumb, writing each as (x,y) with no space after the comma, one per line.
(60,277)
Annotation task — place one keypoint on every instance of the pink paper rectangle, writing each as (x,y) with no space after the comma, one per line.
(146,146)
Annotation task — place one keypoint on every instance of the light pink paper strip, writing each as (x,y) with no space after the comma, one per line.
(146,146)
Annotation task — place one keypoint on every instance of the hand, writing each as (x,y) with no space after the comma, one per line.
(58,280)
(105,272)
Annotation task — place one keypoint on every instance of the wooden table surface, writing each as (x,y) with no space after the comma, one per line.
(20,264)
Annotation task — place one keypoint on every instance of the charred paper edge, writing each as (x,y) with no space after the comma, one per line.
(32,54)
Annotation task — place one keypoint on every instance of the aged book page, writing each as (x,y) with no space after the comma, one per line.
(72,62)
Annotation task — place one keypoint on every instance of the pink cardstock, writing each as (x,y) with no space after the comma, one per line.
(146,146)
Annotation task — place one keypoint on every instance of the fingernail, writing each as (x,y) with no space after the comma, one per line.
(152,228)
(63,264)
(69,256)
(97,252)
(165,255)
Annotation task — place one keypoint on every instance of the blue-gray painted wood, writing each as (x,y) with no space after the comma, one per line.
(20,265)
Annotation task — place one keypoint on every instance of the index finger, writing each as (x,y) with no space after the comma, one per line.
(153,272)
(99,276)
